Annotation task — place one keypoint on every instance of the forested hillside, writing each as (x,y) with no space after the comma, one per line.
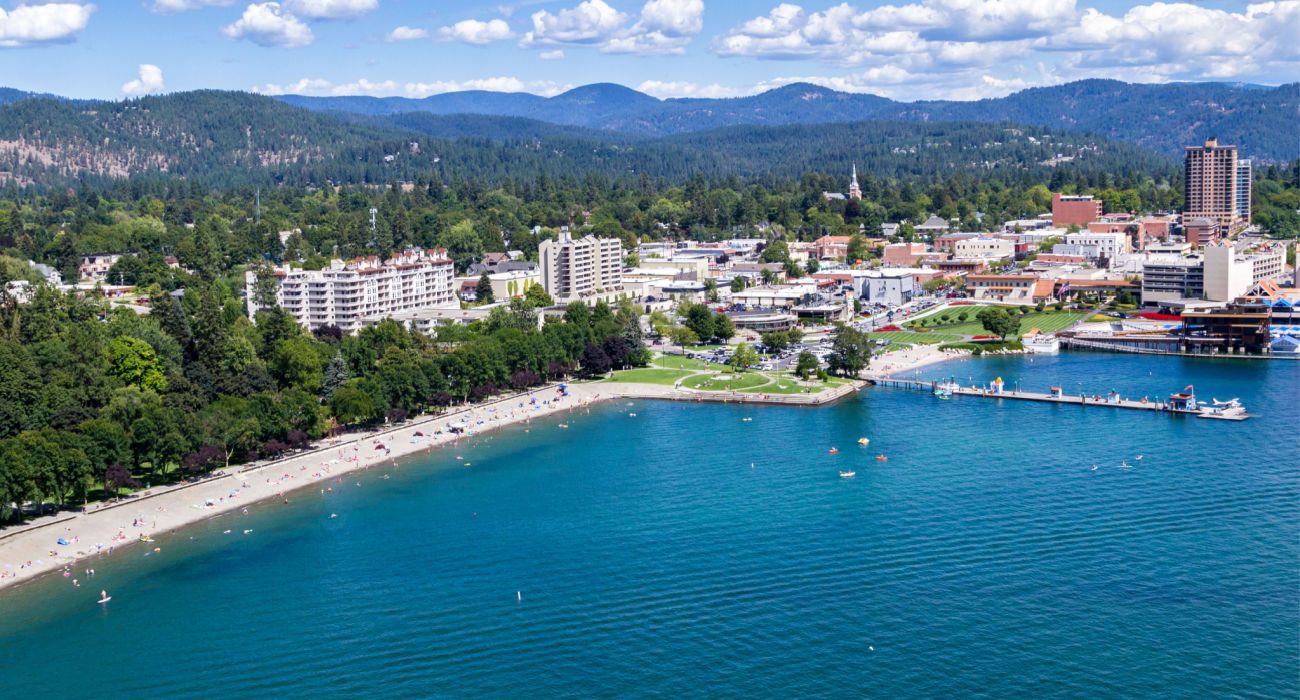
(1165,117)
(226,139)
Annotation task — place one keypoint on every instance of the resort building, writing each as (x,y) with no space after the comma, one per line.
(1074,210)
(1217,186)
(581,269)
(1230,273)
(347,294)
(1172,280)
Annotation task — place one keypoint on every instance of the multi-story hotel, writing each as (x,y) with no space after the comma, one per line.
(580,269)
(1217,186)
(347,294)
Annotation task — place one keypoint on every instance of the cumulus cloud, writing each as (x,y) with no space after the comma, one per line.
(389,88)
(958,48)
(405,33)
(29,25)
(555,55)
(330,9)
(150,81)
(270,24)
(663,27)
(173,6)
(473,31)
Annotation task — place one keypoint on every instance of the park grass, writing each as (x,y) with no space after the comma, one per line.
(739,382)
(680,362)
(649,375)
(913,337)
(1045,321)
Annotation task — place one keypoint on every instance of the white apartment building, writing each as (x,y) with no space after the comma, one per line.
(581,269)
(1108,245)
(348,294)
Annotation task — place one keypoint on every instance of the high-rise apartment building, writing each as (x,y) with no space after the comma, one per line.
(346,294)
(580,269)
(1217,186)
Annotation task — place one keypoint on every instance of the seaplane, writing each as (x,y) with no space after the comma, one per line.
(1230,403)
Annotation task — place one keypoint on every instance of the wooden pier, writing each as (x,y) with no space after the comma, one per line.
(1082,401)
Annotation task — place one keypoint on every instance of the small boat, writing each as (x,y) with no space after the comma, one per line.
(848,474)
(1124,464)
(631,415)
(564,425)
(104,597)
(881,458)
(834,450)
(864,441)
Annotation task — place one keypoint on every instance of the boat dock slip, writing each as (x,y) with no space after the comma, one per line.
(1111,401)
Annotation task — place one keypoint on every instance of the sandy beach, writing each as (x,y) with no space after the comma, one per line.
(93,537)
(96,535)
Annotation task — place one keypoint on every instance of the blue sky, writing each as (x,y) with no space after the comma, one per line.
(904,49)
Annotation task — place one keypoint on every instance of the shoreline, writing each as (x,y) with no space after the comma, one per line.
(31,553)
(96,535)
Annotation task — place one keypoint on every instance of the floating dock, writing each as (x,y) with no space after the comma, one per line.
(1057,398)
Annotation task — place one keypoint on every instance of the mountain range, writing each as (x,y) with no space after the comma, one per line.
(1166,118)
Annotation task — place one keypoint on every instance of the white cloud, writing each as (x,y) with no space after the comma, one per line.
(473,31)
(953,48)
(270,24)
(150,81)
(405,33)
(663,27)
(591,23)
(27,25)
(555,55)
(330,9)
(388,88)
(172,6)
(682,88)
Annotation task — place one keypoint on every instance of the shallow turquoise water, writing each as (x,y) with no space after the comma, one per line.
(984,558)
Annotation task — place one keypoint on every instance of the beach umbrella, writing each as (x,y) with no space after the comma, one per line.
(380,446)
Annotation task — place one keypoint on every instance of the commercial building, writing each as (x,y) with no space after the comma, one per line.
(1230,274)
(984,247)
(1108,245)
(903,254)
(1172,280)
(889,286)
(831,248)
(94,268)
(1016,289)
(580,269)
(346,294)
(1074,210)
(1217,186)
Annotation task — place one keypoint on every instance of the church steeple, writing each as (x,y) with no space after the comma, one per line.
(855,192)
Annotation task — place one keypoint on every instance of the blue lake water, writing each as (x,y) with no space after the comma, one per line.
(984,558)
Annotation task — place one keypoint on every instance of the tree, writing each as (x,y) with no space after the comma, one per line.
(683,336)
(335,374)
(999,322)
(351,403)
(807,365)
(135,363)
(537,297)
(857,249)
(743,357)
(483,290)
(296,363)
(737,284)
(723,327)
(266,286)
(700,319)
(595,362)
(850,352)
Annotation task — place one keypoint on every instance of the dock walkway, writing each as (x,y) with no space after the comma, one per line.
(1083,401)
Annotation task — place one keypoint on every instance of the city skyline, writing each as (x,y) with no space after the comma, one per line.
(928,49)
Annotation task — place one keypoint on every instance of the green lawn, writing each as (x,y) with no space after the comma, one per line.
(914,338)
(649,375)
(680,362)
(738,382)
(1047,321)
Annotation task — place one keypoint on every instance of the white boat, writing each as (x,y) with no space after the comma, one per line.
(1041,344)
(848,475)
